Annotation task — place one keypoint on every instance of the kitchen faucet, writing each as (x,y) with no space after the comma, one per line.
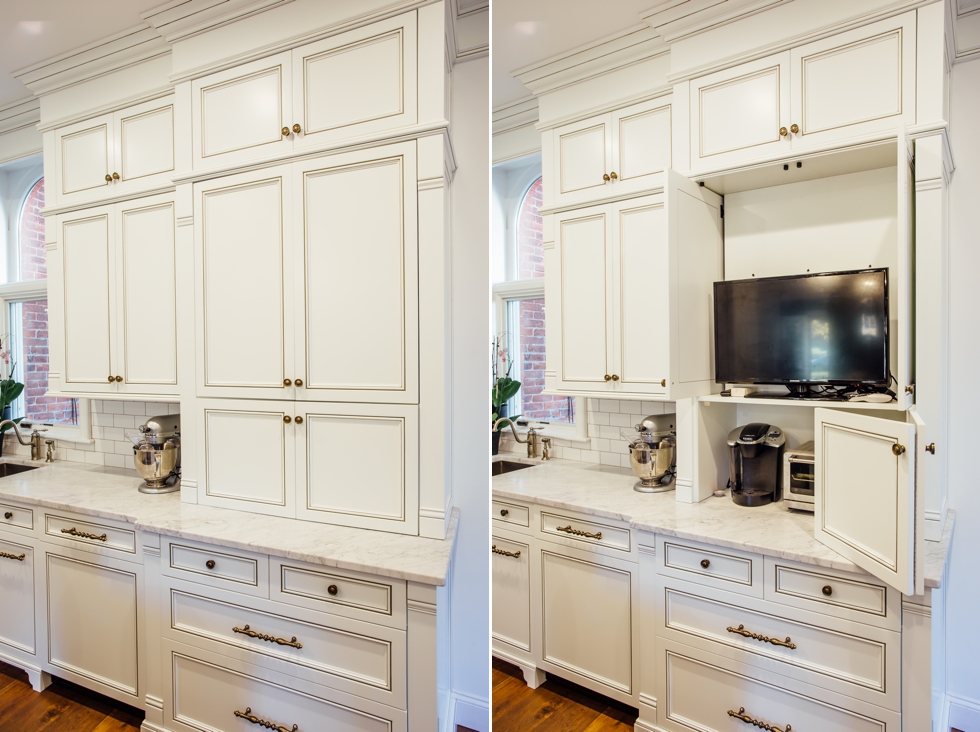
(532,436)
(34,442)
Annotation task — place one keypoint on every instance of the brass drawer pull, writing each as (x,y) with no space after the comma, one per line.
(248,716)
(271,638)
(705,563)
(827,590)
(209,564)
(75,532)
(503,512)
(18,557)
(495,550)
(332,590)
(740,630)
(569,530)
(8,515)
(740,714)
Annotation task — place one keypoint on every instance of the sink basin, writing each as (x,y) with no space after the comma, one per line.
(13,468)
(507,466)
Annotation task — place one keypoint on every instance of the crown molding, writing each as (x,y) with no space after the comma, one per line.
(513,115)
(96,59)
(677,19)
(469,21)
(624,48)
(181,19)
(965,20)
(20,114)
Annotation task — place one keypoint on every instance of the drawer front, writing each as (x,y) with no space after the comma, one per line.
(90,533)
(17,581)
(350,594)
(706,692)
(851,659)
(714,566)
(584,531)
(211,692)
(218,567)
(364,659)
(16,516)
(833,593)
(510,513)
(510,562)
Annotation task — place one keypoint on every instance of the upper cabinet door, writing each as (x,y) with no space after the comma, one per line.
(585,336)
(83,154)
(87,264)
(867,502)
(355,83)
(239,114)
(146,296)
(356,276)
(738,115)
(144,145)
(640,146)
(243,252)
(583,161)
(855,83)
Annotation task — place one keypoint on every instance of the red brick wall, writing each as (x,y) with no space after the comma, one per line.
(530,265)
(33,364)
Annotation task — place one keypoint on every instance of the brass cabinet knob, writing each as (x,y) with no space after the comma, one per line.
(287,382)
(299,420)
(607,377)
(931,448)
(332,590)
(209,564)
(783,132)
(108,178)
(119,378)
(285,132)
(115,176)
(910,389)
(297,129)
(828,590)
(794,128)
(287,419)
(111,378)
(613,175)
(8,515)
(503,512)
(605,177)
(705,563)
(299,382)
(898,449)
(615,377)
(663,382)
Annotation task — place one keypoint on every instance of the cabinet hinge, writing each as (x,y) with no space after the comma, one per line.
(723,210)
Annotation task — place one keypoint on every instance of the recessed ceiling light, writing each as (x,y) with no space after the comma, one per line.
(31,27)
(527,27)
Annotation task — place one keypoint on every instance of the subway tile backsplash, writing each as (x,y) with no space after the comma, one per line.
(610,430)
(111,420)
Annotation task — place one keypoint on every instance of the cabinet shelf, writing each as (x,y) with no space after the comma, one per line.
(718,398)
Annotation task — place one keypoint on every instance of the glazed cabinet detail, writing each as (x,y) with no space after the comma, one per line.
(601,338)
(854,84)
(115,154)
(312,95)
(612,154)
(108,267)
(313,237)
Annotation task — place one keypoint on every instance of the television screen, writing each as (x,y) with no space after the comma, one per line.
(827,328)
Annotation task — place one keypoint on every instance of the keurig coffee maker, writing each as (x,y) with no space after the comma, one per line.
(755,461)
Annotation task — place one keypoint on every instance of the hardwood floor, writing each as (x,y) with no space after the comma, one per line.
(62,707)
(555,706)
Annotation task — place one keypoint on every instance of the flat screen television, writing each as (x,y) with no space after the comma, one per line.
(829,328)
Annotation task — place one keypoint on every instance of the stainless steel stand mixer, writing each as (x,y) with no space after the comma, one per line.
(157,454)
(653,457)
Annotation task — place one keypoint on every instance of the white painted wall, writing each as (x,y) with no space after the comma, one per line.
(471,407)
(963,598)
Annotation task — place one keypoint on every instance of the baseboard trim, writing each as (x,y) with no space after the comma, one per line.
(960,712)
(148,727)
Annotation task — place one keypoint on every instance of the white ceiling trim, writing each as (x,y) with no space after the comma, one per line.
(20,114)
(181,19)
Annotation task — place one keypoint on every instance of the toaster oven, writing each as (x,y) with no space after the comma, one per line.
(798,477)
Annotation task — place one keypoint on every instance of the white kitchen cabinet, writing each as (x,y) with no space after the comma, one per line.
(612,154)
(312,461)
(284,254)
(356,83)
(115,154)
(18,634)
(511,591)
(614,333)
(112,294)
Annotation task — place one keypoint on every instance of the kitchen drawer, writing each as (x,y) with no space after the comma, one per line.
(580,531)
(842,594)
(16,517)
(510,513)
(351,594)
(700,690)
(356,657)
(17,630)
(207,691)
(727,569)
(233,569)
(839,655)
(107,536)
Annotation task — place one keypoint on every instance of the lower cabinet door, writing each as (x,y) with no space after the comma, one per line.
(17,605)
(702,691)
(206,691)
(511,561)
(587,620)
(93,623)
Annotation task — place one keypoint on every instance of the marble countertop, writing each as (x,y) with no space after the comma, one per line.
(608,492)
(112,493)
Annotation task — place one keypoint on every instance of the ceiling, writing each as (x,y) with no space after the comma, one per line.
(526,31)
(36,30)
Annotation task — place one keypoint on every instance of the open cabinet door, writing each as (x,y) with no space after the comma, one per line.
(866,499)
(900,281)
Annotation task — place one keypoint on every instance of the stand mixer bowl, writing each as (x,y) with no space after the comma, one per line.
(155,465)
(652,456)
